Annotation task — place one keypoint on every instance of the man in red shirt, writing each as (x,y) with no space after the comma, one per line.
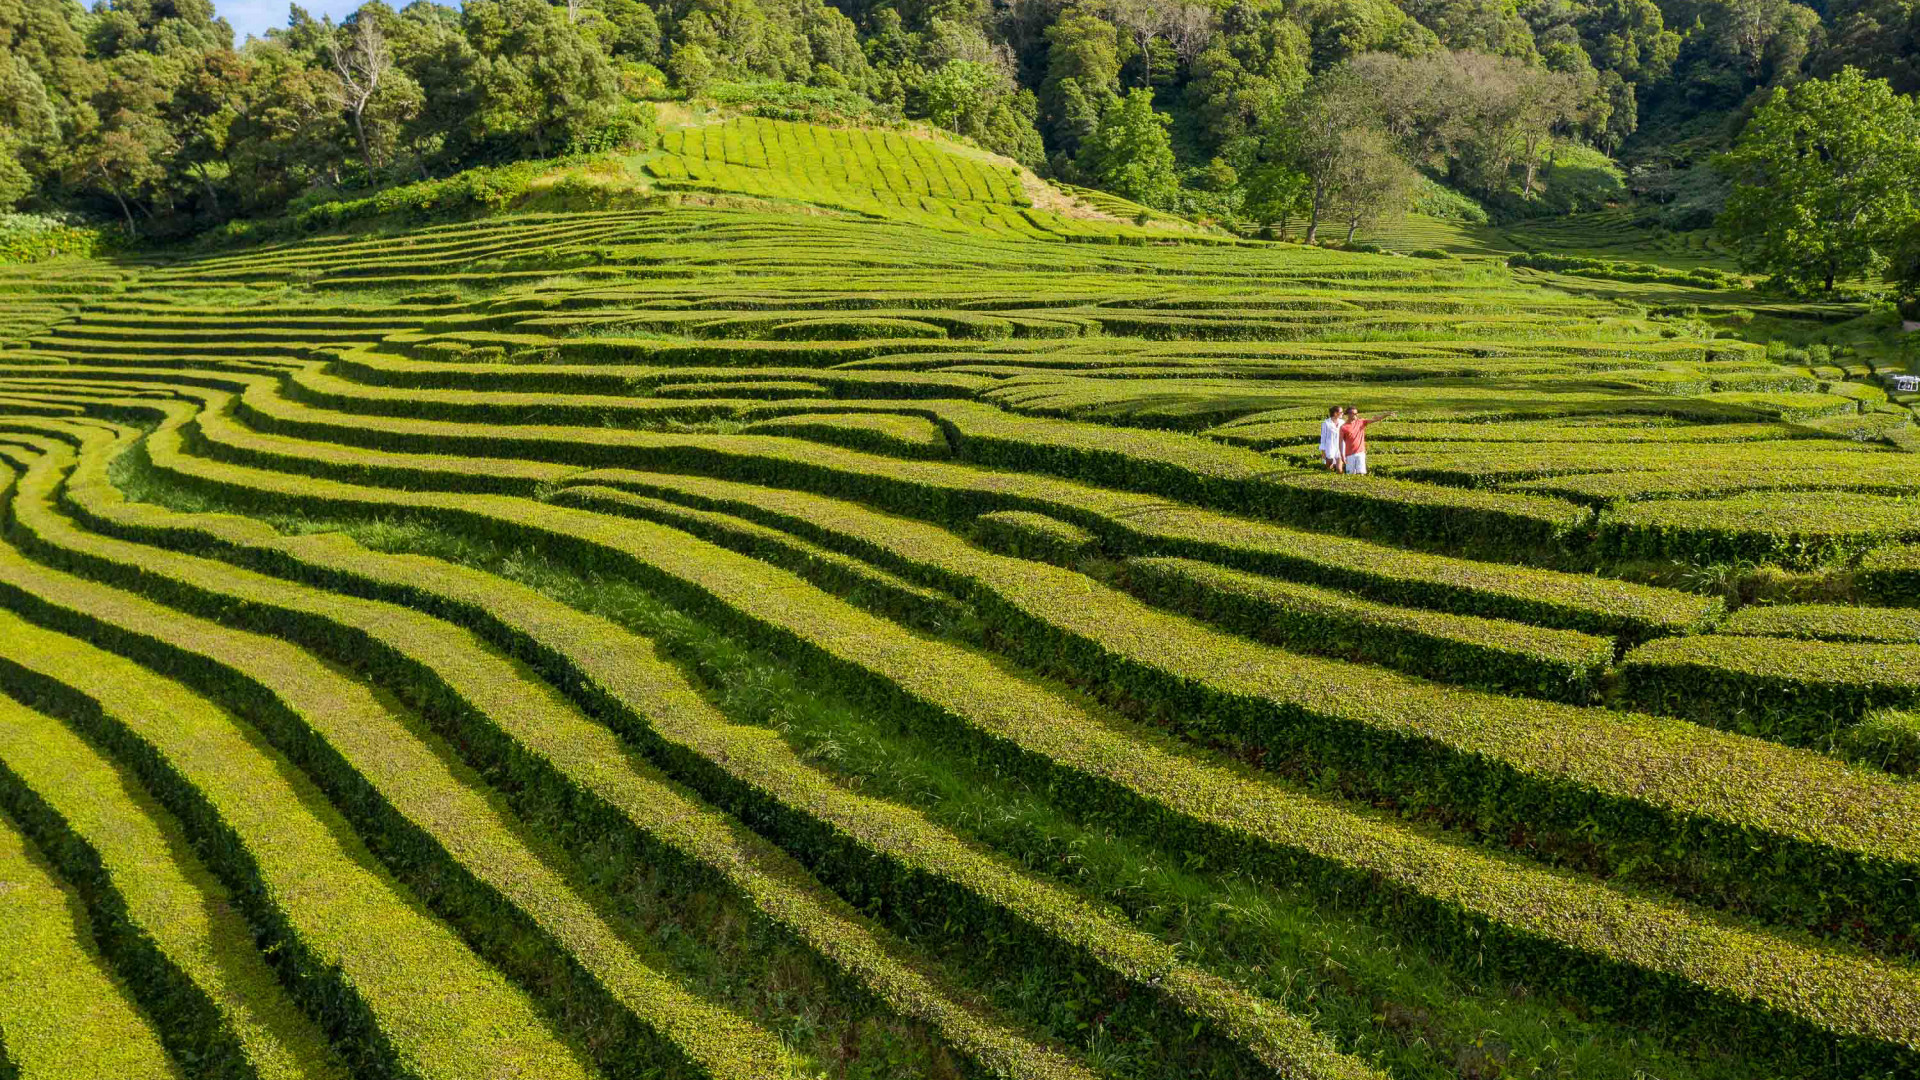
(1353,440)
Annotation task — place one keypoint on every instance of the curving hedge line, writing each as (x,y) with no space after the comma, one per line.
(1559,665)
(1800,692)
(459,369)
(162,920)
(839,834)
(875,433)
(1444,889)
(397,992)
(1891,574)
(1801,530)
(60,1012)
(1028,535)
(1826,622)
(1126,523)
(419,812)
(1207,474)
(858,581)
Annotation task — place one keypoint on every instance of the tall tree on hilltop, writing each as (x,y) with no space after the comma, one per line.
(362,63)
(1827,176)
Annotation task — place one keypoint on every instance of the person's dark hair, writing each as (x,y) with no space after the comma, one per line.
(1353,410)
(1333,410)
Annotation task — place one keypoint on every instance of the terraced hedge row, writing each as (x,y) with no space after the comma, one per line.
(942,672)
(886,640)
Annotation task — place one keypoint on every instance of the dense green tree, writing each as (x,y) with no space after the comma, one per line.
(1827,180)
(286,133)
(540,78)
(1477,116)
(1629,37)
(1274,192)
(1488,26)
(200,115)
(691,69)
(1904,270)
(1083,77)
(1253,68)
(1129,152)
(1370,182)
(1338,103)
(156,27)
(1339,30)
(626,29)
(369,87)
(957,88)
(47,82)
(1010,127)
(1881,37)
(124,155)
(432,48)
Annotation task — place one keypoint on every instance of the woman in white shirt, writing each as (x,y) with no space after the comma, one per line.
(1330,439)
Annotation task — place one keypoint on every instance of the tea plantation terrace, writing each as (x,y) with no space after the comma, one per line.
(706,641)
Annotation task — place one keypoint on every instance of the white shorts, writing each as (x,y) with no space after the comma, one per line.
(1357,463)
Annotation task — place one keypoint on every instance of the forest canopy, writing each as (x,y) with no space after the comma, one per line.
(1260,111)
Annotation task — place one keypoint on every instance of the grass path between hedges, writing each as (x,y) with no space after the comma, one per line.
(421,802)
(181,942)
(61,1013)
(1724,945)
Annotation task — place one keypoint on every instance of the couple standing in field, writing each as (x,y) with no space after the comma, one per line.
(1343,439)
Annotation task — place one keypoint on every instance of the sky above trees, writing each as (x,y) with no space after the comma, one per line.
(255,17)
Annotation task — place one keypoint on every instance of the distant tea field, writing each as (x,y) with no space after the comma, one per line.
(919,639)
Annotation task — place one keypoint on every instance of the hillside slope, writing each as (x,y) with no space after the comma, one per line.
(902,641)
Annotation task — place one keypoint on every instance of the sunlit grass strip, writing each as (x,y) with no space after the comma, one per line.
(877,433)
(859,581)
(166,923)
(1185,799)
(1891,575)
(61,1014)
(1802,530)
(1827,622)
(423,808)
(399,994)
(1034,536)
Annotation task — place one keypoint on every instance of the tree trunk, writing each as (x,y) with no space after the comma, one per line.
(1353,226)
(1526,187)
(132,232)
(366,152)
(1313,216)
